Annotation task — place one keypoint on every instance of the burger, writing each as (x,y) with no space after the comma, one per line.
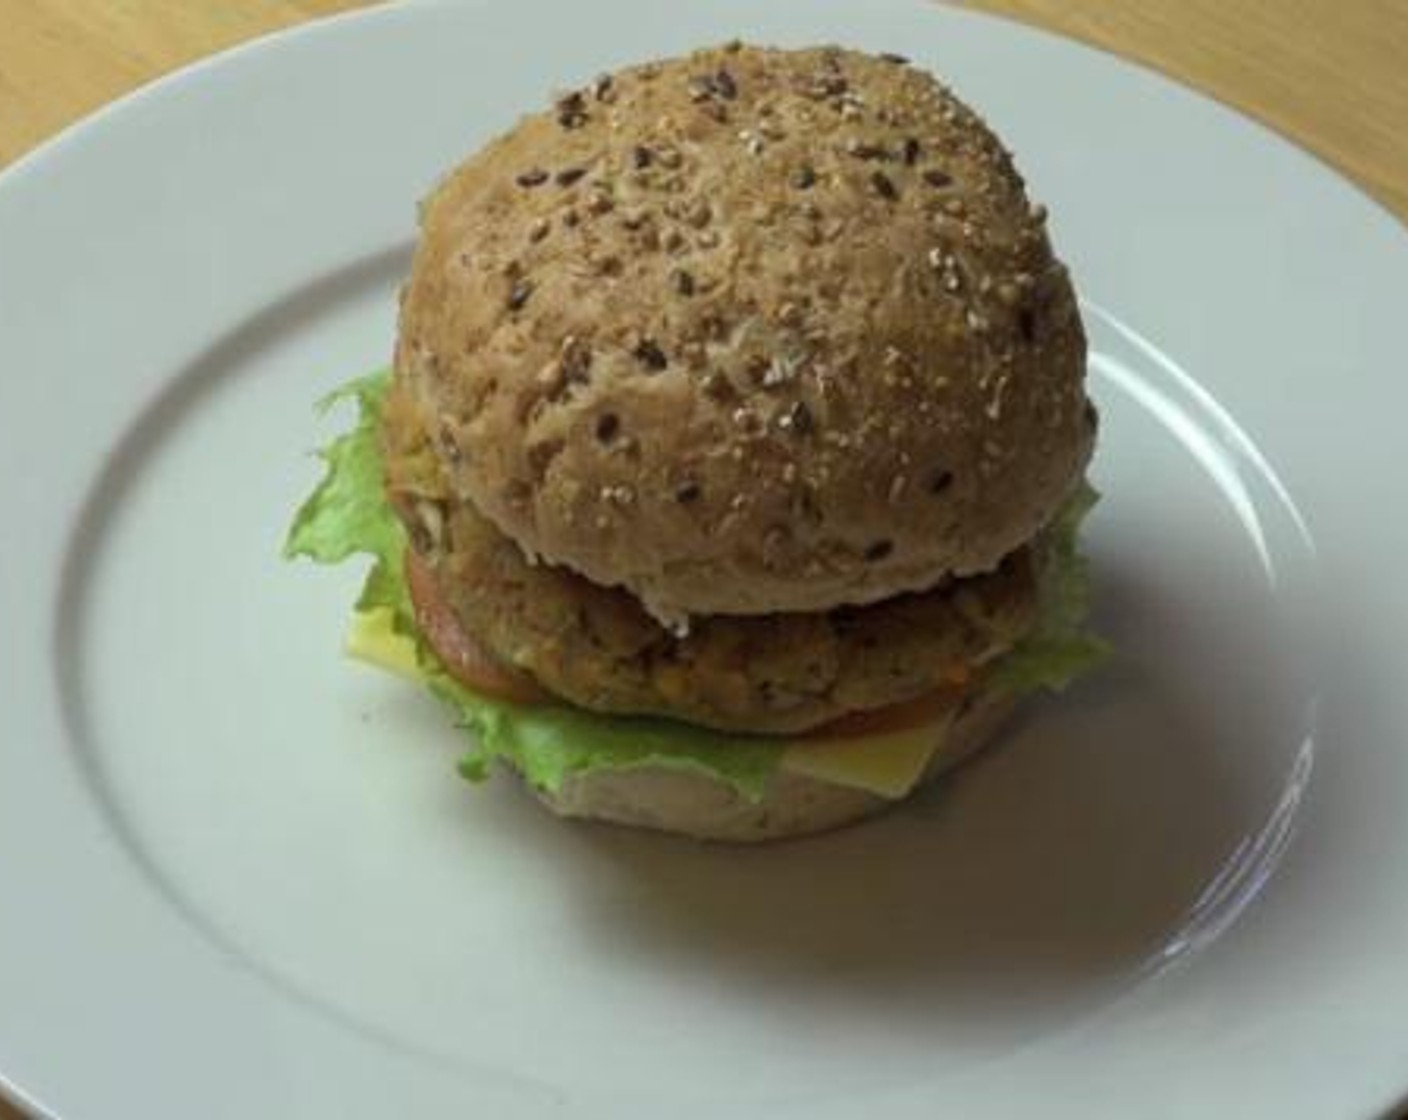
(728,475)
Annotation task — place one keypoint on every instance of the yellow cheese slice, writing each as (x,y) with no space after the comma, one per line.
(372,638)
(887,763)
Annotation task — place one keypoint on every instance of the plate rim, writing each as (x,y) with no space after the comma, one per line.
(78,133)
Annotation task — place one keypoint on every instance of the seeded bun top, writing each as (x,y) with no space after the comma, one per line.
(746,331)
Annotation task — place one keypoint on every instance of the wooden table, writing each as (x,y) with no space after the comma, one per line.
(1328,73)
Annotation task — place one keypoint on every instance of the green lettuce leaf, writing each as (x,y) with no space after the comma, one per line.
(548,745)
(1059,648)
(347,514)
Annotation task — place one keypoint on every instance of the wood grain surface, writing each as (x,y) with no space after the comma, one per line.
(1330,74)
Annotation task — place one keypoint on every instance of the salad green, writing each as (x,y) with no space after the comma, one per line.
(347,514)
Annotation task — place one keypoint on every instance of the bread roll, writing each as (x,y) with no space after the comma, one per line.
(744,332)
(795,805)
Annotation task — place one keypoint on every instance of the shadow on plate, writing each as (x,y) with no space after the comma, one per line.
(1050,873)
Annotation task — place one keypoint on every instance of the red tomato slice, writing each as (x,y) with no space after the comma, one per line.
(892,717)
(464,658)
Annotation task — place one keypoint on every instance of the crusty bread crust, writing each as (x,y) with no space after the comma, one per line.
(695,805)
(744,332)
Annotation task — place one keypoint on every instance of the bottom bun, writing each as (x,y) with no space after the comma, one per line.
(794,805)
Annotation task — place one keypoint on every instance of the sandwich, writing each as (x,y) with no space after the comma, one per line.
(728,474)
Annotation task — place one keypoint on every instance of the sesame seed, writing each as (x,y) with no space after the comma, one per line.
(797,419)
(533,177)
(608,425)
(937,178)
(910,151)
(879,550)
(576,360)
(884,186)
(647,351)
(519,293)
(451,448)
(687,492)
(725,85)
(940,481)
(1026,324)
(539,229)
(684,282)
(602,89)
(569,175)
(777,373)
(803,178)
(862,149)
(641,156)
(716,386)
(571,110)
(894,59)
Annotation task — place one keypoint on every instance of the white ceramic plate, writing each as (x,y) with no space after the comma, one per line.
(238,875)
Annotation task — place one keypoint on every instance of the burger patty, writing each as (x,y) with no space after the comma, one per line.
(769,674)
